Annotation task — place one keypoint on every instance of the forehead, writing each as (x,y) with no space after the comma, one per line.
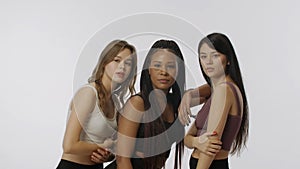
(124,54)
(163,55)
(206,49)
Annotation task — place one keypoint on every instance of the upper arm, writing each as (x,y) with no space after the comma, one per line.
(83,103)
(128,124)
(221,103)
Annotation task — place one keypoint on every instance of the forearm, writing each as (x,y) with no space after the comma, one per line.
(199,95)
(204,161)
(123,163)
(80,147)
(204,91)
(189,141)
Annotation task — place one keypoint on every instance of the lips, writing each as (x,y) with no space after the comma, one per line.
(120,74)
(163,81)
(210,69)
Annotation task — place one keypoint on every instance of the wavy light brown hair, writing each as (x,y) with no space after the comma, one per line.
(108,54)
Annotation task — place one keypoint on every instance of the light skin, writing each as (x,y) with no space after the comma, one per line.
(191,98)
(83,104)
(223,103)
(163,70)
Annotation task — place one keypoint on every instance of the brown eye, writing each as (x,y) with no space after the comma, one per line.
(117,60)
(203,56)
(216,55)
(171,66)
(156,65)
(128,63)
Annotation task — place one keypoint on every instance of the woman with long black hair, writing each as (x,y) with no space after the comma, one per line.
(148,124)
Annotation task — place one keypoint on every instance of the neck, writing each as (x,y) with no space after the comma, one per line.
(217,81)
(108,85)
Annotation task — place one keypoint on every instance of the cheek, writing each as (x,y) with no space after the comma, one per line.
(128,69)
(173,73)
(110,68)
(151,72)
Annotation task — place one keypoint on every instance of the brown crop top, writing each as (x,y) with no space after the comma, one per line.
(232,125)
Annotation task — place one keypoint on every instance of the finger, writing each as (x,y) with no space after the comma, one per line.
(188,112)
(215,147)
(182,117)
(209,153)
(186,116)
(208,134)
(97,155)
(96,159)
(102,151)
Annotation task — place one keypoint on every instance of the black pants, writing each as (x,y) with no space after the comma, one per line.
(65,164)
(112,165)
(216,164)
(137,163)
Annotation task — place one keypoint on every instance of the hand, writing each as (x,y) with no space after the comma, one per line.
(184,109)
(101,155)
(208,143)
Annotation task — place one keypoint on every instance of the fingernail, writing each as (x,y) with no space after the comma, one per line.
(215,133)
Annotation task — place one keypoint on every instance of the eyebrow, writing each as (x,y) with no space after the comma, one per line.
(210,52)
(161,62)
(119,57)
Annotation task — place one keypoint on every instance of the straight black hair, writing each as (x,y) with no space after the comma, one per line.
(222,44)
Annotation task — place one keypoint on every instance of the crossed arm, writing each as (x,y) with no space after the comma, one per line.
(222,101)
(81,106)
(191,98)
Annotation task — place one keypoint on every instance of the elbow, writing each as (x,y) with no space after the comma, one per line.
(67,148)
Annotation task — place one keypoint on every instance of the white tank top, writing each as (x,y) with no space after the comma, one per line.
(98,127)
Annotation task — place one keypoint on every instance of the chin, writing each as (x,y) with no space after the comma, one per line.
(119,81)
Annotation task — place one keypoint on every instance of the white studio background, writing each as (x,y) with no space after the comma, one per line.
(41,41)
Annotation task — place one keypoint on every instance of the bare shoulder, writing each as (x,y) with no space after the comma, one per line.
(86,91)
(136,102)
(224,91)
(85,97)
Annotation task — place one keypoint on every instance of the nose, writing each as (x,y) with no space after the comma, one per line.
(163,70)
(121,65)
(209,60)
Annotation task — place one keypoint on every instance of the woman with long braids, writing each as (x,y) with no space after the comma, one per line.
(148,124)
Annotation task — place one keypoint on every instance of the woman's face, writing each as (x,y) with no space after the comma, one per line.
(163,69)
(213,62)
(120,67)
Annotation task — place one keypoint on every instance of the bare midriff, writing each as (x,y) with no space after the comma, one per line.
(222,154)
(81,159)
